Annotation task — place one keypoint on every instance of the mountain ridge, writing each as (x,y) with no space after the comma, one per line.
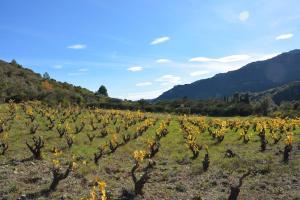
(253,77)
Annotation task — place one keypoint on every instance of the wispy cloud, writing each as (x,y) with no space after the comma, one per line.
(135,68)
(77,46)
(267,56)
(199,73)
(225,67)
(244,16)
(79,72)
(223,64)
(163,61)
(160,40)
(142,84)
(226,59)
(57,66)
(83,70)
(76,74)
(284,36)
(169,80)
(145,95)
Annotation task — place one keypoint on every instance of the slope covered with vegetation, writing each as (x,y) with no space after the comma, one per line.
(284,93)
(21,84)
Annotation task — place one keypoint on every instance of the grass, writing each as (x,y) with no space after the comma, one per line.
(176,175)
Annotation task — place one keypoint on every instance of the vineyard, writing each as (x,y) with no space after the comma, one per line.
(80,153)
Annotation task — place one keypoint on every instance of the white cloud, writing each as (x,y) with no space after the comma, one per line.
(163,61)
(145,95)
(135,68)
(57,66)
(76,74)
(79,72)
(143,84)
(77,46)
(284,36)
(83,70)
(221,65)
(244,16)
(226,59)
(267,56)
(168,80)
(160,40)
(199,73)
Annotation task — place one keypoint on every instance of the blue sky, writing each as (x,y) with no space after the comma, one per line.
(140,48)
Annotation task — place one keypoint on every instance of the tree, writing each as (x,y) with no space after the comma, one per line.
(14,62)
(236,97)
(102,91)
(246,98)
(46,76)
(47,86)
(142,103)
(264,106)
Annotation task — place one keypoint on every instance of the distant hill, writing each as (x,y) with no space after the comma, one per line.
(21,84)
(287,92)
(254,77)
